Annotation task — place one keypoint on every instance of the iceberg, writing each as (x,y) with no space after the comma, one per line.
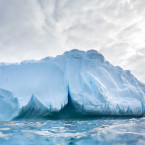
(77,83)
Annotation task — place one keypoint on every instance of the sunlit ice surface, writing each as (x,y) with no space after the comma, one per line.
(74,132)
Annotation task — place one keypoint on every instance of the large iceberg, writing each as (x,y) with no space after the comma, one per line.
(76,83)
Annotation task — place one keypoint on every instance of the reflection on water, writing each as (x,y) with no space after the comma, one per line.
(75,132)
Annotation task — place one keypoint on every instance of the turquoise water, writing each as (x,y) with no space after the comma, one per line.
(74,132)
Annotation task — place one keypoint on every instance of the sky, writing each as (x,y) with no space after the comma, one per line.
(34,29)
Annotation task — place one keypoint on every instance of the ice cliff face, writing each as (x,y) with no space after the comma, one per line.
(94,85)
(8,105)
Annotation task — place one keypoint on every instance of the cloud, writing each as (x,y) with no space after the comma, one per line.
(39,28)
(136,64)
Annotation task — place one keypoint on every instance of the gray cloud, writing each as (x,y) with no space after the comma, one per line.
(39,28)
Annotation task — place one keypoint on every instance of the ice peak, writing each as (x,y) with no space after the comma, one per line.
(34,101)
(90,54)
(93,54)
(75,53)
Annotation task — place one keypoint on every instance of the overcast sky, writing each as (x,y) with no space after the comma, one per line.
(33,29)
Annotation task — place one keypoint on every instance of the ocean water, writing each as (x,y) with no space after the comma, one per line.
(74,132)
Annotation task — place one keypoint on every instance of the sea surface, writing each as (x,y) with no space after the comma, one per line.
(74,132)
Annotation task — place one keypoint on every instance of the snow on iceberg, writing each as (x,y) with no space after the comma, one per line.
(94,85)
